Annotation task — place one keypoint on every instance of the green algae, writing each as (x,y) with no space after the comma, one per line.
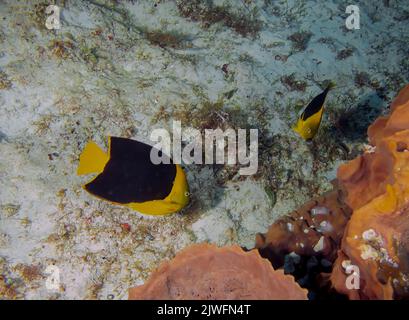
(208,14)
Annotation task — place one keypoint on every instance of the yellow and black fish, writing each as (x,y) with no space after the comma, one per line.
(310,119)
(127,176)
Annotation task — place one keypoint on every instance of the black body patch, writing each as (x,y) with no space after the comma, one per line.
(130,176)
(315,105)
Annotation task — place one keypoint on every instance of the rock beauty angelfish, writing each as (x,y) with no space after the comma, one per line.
(309,121)
(127,176)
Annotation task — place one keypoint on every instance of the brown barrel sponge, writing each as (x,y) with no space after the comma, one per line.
(376,238)
(204,271)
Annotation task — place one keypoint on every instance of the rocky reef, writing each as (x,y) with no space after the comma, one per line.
(305,242)
(205,271)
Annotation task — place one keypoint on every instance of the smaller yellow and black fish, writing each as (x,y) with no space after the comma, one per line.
(127,176)
(310,119)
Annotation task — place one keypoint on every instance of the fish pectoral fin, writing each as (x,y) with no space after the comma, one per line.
(92,159)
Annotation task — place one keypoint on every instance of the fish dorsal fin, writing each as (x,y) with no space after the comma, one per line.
(92,159)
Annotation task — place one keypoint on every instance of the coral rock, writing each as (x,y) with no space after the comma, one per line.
(207,272)
(314,229)
(312,235)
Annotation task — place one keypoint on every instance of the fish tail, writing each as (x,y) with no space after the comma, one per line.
(92,159)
